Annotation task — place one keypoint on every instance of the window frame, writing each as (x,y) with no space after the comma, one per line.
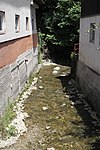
(17,23)
(2,25)
(27,23)
(92,32)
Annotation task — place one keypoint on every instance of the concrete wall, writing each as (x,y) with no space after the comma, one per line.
(88,69)
(89,82)
(13,76)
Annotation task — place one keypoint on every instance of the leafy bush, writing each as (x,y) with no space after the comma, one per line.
(60,23)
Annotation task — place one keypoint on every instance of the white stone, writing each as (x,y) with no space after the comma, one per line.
(35,80)
(40,142)
(72,103)
(40,87)
(52,148)
(67,96)
(57,117)
(40,77)
(47,127)
(34,88)
(49,63)
(25,96)
(33,83)
(56,68)
(26,115)
(63,105)
(62,75)
(8,142)
(55,72)
(45,108)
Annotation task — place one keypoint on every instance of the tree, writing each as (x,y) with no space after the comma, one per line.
(60,23)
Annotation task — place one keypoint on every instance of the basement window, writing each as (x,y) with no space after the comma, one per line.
(2,22)
(17,19)
(92,32)
(27,23)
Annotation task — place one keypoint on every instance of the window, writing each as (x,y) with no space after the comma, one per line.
(27,23)
(32,24)
(17,19)
(92,32)
(2,22)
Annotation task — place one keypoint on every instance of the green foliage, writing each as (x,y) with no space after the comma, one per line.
(39,56)
(9,115)
(42,42)
(60,22)
(12,131)
(72,55)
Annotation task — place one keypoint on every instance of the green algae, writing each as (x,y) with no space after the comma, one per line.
(69,126)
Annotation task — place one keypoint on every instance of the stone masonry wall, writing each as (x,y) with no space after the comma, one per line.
(89,81)
(14,76)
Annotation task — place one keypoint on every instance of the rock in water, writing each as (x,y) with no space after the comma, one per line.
(45,108)
(55,72)
(57,68)
(52,148)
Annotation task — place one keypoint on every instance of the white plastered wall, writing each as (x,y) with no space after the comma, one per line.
(90,52)
(19,7)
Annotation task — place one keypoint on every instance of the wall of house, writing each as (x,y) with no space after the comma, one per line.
(14,75)
(18,50)
(89,82)
(9,51)
(88,69)
(90,52)
(21,8)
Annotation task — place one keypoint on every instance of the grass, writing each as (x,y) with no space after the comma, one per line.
(8,116)
(70,126)
(39,56)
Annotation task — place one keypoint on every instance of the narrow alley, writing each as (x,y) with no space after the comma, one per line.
(59,118)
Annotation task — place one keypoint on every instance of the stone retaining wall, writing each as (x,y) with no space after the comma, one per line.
(89,81)
(14,76)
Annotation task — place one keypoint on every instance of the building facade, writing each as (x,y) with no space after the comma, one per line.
(88,70)
(18,46)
